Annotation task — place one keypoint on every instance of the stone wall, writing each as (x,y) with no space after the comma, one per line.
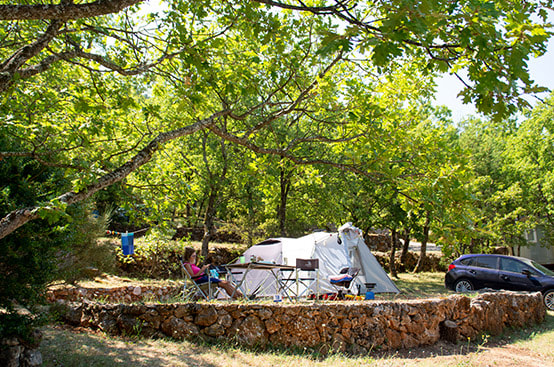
(432,262)
(380,242)
(16,353)
(353,327)
(115,294)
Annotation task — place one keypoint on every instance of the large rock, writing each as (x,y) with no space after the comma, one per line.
(15,353)
(251,331)
(206,317)
(179,329)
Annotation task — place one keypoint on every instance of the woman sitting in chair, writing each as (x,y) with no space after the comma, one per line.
(199,275)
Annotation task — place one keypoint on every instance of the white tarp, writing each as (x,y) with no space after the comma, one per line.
(335,251)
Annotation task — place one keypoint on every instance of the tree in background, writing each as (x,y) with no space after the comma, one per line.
(529,162)
(511,164)
(494,222)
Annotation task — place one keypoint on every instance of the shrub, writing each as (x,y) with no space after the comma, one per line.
(84,251)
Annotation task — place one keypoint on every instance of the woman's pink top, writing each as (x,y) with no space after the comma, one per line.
(195,269)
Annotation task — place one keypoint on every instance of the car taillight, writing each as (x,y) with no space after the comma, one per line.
(451,266)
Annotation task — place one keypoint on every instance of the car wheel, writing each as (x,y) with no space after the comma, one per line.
(548,298)
(463,285)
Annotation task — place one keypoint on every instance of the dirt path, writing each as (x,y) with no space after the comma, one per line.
(445,354)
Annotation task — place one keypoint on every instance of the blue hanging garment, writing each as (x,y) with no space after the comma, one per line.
(127,244)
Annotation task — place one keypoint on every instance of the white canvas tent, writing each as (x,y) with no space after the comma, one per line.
(335,251)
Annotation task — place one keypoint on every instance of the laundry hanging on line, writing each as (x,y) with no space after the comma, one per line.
(127,241)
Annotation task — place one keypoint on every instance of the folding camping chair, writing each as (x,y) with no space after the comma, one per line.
(310,266)
(195,292)
(343,281)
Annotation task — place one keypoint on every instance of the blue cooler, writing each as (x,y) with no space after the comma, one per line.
(369,291)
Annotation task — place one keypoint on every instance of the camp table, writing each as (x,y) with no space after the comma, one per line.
(273,269)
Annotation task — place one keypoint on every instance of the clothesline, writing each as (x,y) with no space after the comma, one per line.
(127,240)
(118,233)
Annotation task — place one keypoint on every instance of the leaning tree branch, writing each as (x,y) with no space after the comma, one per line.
(19,217)
(7,77)
(111,66)
(11,65)
(296,159)
(22,55)
(64,11)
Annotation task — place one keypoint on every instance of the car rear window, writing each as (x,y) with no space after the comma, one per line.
(488,262)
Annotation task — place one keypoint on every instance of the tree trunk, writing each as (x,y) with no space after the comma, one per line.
(64,11)
(209,222)
(392,265)
(405,246)
(423,251)
(188,215)
(284,183)
(251,220)
(472,245)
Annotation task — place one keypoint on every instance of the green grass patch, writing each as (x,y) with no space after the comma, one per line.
(418,286)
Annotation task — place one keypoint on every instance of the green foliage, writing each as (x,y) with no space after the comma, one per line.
(85,254)
(154,257)
(27,256)
(30,257)
(512,165)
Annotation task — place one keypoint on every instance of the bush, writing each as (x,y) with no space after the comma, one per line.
(31,255)
(85,254)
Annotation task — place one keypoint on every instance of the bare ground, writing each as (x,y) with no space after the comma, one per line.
(489,354)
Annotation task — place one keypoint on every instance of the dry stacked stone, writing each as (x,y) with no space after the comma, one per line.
(127,294)
(353,327)
(17,353)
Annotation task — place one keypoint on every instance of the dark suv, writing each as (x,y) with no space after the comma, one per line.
(470,272)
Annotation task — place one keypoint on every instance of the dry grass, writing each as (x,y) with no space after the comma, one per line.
(80,347)
(113,281)
(62,347)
